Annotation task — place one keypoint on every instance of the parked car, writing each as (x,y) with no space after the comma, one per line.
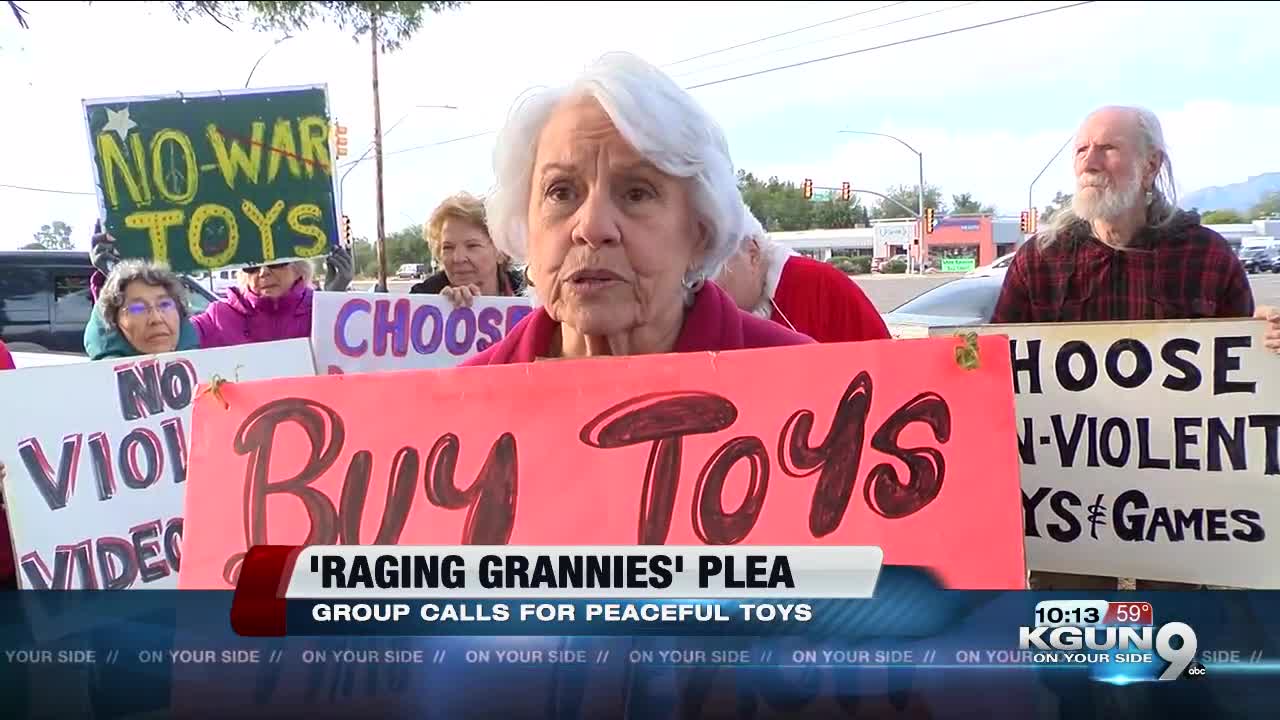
(997,267)
(1261,258)
(45,301)
(964,301)
(412,271)
(217,281)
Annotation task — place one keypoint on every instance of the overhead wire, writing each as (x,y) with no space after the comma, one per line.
(739,61)
(883,46)
(786,32)
(44,190)
(721,81)
(764,71)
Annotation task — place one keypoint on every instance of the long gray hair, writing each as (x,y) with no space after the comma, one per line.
(1161,197)
(111,298)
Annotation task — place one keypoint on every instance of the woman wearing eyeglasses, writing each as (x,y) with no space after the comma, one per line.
(272,302)
(141,310)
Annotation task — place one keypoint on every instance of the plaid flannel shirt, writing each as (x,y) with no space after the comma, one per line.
(1179,272)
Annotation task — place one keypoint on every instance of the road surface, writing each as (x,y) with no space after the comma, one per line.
(889,291)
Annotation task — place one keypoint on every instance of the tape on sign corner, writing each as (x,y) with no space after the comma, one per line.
(967,353)
(214,387)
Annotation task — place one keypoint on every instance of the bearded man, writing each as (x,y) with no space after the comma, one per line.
(1124,251)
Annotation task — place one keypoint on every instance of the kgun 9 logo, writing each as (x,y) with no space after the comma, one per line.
(1070,643)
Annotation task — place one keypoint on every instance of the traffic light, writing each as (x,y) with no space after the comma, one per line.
(340,140)
(846,192)
(928,220)
(1025,225)
(346,229)
(807,188)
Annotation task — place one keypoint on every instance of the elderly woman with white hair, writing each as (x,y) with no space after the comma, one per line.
(619,194)
(273,301)
(815,298)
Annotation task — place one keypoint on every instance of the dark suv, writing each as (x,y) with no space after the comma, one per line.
(45,301)
(1260,259)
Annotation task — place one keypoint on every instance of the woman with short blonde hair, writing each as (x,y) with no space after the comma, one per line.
(457,234)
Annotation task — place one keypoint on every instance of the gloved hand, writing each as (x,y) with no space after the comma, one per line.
(339,270)
(103,253)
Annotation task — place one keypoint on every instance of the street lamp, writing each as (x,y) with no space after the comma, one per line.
(352,166)
(919,187)
(254,69)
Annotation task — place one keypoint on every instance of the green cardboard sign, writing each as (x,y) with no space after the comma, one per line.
(216,179)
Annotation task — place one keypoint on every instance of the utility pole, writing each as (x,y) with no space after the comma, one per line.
(377,156)
(924,231)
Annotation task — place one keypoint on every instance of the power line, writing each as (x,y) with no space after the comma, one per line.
(787,32)
(828,39)
(728,79)
(45,190)
(887,45)
(438,143)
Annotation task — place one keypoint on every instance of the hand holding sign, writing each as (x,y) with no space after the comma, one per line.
(1271,338)
(461,295)
(340,268)
(103,253)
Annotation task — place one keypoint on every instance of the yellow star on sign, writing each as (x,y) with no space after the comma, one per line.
(118,121)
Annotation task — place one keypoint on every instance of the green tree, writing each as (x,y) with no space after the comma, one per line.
(1267,207)
(54,237)
(403,246)
(835,214)
(908,195)
(781,206)
(396,21)
(964,204)
(1061,201)
(1223,217)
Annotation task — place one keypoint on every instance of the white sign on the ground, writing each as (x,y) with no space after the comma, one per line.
(1149,449)
(96,460)
(369,332)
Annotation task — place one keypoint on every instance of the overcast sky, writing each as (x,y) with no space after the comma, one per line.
(988,107)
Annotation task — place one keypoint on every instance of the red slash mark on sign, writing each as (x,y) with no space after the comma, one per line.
(269,148)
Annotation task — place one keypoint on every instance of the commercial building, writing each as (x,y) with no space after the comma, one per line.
(982,238)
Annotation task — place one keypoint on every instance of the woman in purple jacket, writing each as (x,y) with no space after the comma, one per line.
(272,302)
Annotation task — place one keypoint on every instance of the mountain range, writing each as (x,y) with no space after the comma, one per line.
(1239,196)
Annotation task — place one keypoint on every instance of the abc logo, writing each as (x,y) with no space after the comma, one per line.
(1195,670)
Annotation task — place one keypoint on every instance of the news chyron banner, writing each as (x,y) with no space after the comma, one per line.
(371,332)
(905,446)
(509,590)
(1149,450)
